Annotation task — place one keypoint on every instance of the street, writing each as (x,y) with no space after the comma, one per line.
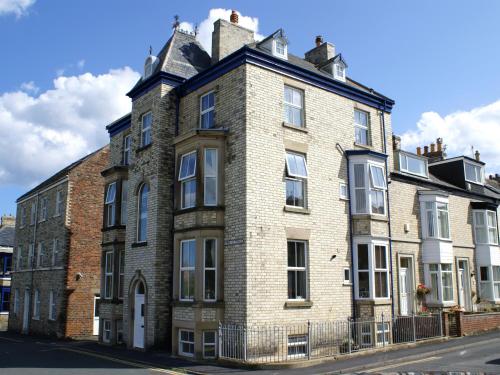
(29,355)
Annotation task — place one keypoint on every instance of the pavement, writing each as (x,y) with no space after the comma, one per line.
(41,356)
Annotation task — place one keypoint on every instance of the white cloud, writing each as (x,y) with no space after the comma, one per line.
(40,135)
(206,26)
(479,127)
(80,64)
(30,87)
(18,7)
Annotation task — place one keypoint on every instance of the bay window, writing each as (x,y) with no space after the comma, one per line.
(210,175)
(187,270)
(123,204)
(296,177)
(207,107)
(369,188)
(489,283)
(110,204)
(440,280)
(473,173)
(371,270)
(187,178)
(108,275)
(436,222)
(297,270)
(485,227)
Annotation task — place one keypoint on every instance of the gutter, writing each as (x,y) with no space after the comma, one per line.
(382,120)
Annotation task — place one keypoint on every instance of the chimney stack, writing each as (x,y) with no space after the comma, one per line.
(419,151)
(229,37)
(477,155)
(433,148)
(320,54)
(234,17)
(426,150)
(7,221)
(396,142)
(439,142)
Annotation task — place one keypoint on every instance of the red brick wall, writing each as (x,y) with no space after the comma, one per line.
(86,208)
(470,324)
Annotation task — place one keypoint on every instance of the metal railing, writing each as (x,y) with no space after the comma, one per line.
(266,344)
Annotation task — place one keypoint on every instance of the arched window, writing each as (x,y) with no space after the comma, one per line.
(142,217)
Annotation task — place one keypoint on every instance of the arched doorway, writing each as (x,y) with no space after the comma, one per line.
(139,294)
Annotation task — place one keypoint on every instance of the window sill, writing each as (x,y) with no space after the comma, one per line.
(366,147)
(347,284)
(441,304)
(298,210)
(195,303)
(113,227)
(139,244)
(298,304)
(181,211)
(142,148)
(375,301)
(295,127)
(374,217)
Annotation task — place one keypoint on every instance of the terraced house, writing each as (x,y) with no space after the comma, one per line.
(56,265)
(7,228)
(252,186)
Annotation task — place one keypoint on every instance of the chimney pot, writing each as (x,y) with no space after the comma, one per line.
(234,17)
(439,142)
(419,151)
(426,150)
(319,40)
(433,147)
(477,155)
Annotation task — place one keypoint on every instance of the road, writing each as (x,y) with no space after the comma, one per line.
(20,355)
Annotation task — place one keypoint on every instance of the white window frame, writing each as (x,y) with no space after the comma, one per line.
(207,110)
(40,254)
(404,165)
(211,176)
(59,204)
(296,269)
(205,268)
(189,178)
(478,172)
(296,344)
(367,188)
(55,251)
(293,105)
(52,306)
(124,203)
(339,75)
(348,280)
(110,204)
(106,331)
(108,274)
(181,341)
(210,345)
(33,213)
(36,305)
(276,51)
(186,269)
(362,127)
(139,214)
(495,282)
(434,201)
(146,133)
(31,255)
(439,272)
(295,176)
(343,191)
(371,268)
(43,209)
(126,149)
(486,228)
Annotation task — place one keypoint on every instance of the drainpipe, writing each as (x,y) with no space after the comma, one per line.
(351,241)
(382,120)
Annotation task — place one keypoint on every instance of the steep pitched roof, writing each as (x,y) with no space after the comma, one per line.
(59,175)
(182,56)
(7,236)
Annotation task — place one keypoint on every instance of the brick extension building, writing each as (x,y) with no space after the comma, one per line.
(253,186)
(56,277)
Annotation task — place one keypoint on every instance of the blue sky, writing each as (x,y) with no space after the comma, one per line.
(439,60)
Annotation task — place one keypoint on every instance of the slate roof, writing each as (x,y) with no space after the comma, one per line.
(7,236)
(59,175)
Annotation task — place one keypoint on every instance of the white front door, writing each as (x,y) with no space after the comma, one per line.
(403,290)
(96,316)
(26,311)
(139,321)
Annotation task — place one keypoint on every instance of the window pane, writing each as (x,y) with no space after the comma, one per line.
(362,257)
(296,165)
(361,135)
(416,166)
(377,202)
(380,257)
(359,175)
(207,120)
(143,213)
(210,284)
(189,193)
(364,285)
(301,254)
(447,286)
(111,193)
(377,177)
(210,190)
(291,254)
(444,230)
(361,118)
(496,273)
(434,286)
(188,166)
(430,224)
(301,284)
(381,289)
(484,273)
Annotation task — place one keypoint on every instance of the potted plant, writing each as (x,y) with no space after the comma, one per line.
(422,290)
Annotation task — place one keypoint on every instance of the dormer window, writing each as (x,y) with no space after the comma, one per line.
(339,71)
(150,65)
(473,173)
(280,48)
(412,164)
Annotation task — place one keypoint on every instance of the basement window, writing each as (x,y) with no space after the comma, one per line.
(297,346)
(186,343)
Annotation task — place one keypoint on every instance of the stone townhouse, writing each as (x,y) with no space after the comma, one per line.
(444,226)
(56,276)
(254,187)
(7,228)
